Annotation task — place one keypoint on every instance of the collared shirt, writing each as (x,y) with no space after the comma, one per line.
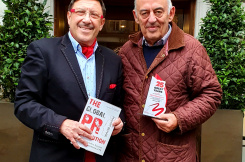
(87,66)
(162,41)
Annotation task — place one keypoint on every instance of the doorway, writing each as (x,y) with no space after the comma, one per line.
(120,21)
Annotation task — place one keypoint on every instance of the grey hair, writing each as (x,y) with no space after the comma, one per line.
(170,5)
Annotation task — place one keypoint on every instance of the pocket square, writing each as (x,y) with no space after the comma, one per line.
(112,86)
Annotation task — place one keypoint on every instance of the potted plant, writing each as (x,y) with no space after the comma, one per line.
(222,33)
(23,22)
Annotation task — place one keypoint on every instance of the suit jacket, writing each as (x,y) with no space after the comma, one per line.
(51,89)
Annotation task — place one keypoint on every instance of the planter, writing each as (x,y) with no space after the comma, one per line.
(221,137)
(15,138)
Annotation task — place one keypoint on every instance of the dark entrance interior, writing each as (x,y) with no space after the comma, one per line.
(120,22)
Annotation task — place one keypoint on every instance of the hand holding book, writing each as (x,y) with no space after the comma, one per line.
(75,131)
(100,117)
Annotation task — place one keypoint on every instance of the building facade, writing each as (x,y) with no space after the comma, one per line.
(120,22)
(119,19)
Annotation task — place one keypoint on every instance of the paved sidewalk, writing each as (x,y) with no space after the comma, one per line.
(15,138)
(243,149)
(243,153)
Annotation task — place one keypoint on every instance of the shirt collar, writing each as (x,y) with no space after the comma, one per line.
(76,46)
(162,41)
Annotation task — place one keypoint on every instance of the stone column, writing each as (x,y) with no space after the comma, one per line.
(201,9)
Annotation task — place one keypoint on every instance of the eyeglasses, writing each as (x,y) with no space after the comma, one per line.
(82,12)
(145,14)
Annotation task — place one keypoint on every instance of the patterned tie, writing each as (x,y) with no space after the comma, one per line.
(88,50)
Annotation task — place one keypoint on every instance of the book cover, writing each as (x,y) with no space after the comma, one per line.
(98,115)
(156,100)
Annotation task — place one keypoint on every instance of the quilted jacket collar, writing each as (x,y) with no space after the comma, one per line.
(176,38)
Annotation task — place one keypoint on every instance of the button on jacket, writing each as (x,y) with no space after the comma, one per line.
(51,89)
(194,94)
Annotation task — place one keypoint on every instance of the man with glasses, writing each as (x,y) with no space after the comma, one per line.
(58,75)
(193,92)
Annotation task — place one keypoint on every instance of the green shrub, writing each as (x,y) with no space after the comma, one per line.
(222,34)
(23,22)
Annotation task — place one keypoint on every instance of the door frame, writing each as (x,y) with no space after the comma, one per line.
(60,11)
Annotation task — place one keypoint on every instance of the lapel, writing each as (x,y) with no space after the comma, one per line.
(69,54)
(100,62)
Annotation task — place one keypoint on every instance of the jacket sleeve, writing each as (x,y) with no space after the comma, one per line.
(205,92)
(30,108)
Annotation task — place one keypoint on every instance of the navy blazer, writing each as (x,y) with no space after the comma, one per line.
(51,89)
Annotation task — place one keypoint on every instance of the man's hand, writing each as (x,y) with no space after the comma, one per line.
(118,125)
(167,122)
(74,130)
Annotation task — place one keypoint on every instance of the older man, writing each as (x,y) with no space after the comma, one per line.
(58,76)
(193,91)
